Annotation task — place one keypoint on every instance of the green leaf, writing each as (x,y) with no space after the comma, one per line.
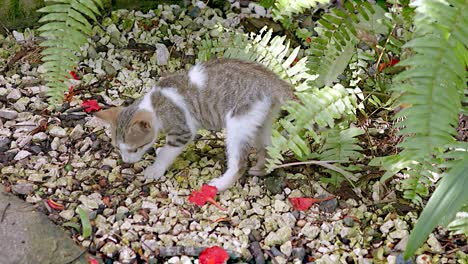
(73,225)
(84,223)
(447,200)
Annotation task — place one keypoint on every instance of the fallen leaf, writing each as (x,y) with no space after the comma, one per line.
(206,194)
(85,224)
(55,205)
(303,204)
(90,106)
(106,201)
(213,255)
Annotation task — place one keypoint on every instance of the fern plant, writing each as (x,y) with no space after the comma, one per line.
(285,8)
(66,29)
(433,85)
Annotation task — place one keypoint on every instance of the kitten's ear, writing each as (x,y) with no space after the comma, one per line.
(109,115)
(142,121)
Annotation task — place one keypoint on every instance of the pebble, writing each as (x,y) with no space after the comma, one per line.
(162,54)
(77,132)
(57,131)
(279,237)
(54,145)
(38,137)
(8,114)
(67,214)
(88,202)
(4,144)
(286,248)
(23,188)
(14,95)
(22,154)
(298,253)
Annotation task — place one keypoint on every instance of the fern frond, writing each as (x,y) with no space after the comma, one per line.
(339,31)
(341,144)
(318,108)
(66,29)
(286,8)
(273,52)
(436,77)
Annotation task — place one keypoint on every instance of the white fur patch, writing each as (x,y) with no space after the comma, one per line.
(240,131)
(146,104)
(197,76)
(177,99)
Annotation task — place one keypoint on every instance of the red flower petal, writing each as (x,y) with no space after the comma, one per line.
(308,39)
(209,190)
(90,106)
(393,62)
(74,75)
(93,261)
(197,198)
(213,255)
(303,204)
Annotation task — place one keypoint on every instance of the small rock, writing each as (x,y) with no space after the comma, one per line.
(276,252)
(185,260)
(77,132)
(286,248)
(87,202)
(328,206)
(174,260)
(424,259)
(298,253)
(127,255)
(385,228)
(281,206)
(67,214)
(108,68)
(14,95)
(279,237)
(310,231)
(35,177)
(162,54)
(401,260)
(348,221)
(35,149)
(109,249)
(4,144)
(434,244)
(19,37)
(23,188)
(8,114)
(121,212)
(54,145)
(41,136)
(57,131)
(22,154)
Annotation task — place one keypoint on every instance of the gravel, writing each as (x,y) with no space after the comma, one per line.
(73,162)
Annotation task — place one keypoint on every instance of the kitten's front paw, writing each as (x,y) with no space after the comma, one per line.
(153,172)
(221,183)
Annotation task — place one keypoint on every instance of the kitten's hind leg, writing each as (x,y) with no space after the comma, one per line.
(263,140)
(240,130)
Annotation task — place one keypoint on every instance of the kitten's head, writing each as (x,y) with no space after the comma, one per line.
(133,131)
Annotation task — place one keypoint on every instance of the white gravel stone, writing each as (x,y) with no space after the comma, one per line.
(77,132)
(41,136)
(8,114)
(67,214)
(279,237)
(385,228)
(14,95)
(57,131)
(22,154)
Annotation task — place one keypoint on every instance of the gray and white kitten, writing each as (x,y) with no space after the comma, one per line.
(242,97)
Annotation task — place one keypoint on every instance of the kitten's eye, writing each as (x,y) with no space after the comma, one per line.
(133,150)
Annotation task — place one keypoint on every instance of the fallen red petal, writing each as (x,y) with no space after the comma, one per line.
(74,75)
(93,261)
(303,204)
(55,205)
(382,66)
(209,190)
(308,39)
(213,255)
(90,106)
(197,198)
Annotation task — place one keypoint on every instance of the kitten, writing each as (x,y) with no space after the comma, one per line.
(242,97)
